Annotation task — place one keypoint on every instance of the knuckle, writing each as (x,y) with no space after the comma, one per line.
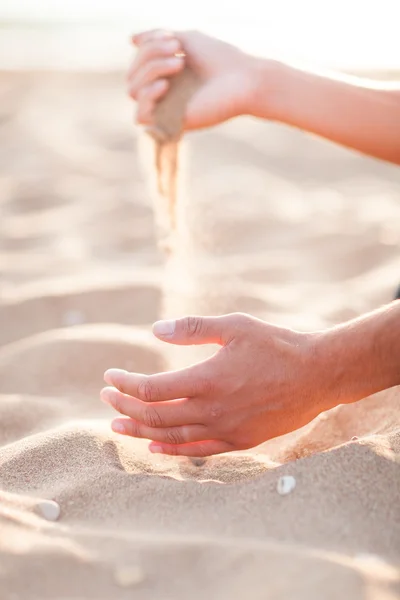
(193,326)
(205,386)
(239,322)
(135,429)
(147,391)
(174,436)
(216,412)
(240,318)
(151,418)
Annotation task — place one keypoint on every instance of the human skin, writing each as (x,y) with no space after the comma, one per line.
(360,114)
(264,381)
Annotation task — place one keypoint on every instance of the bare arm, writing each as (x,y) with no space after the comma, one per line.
(361,357)
(357,113)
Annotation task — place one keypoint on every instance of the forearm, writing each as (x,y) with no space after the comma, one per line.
(361,357)
(359,114)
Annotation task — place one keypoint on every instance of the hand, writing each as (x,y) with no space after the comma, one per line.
(229,76)
(263,383)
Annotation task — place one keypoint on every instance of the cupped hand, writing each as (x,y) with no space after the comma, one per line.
(226,73)
(262,383)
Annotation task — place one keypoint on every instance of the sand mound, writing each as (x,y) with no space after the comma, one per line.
(153,524)
(51,362)
(66,305)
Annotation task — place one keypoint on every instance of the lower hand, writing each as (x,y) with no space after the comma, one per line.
(262,383)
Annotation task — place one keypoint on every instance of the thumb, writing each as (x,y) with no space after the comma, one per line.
(195,330)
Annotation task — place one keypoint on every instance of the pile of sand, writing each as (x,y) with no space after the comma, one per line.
(81,283)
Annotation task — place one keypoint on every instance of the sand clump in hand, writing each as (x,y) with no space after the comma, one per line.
(81,283)
(166,130)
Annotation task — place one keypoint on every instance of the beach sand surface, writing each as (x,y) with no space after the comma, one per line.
(269,221)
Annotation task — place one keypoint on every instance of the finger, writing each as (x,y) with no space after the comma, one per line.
(158,68)
(168,414)
(197,330)
(169,435)
(161,48)
(185,383)
(202,448)
(147,98)
(146,36)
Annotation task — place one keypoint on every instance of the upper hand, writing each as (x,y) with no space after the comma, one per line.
(261,384)
(227,75)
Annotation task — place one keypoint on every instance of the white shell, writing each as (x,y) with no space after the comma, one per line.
(49,510)
(286,484)
(129,576)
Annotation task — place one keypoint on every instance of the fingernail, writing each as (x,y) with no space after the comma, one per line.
(156,449)
(118,427)
(164,328)
(110,374)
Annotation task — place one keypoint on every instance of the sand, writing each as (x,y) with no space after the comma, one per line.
(167,131)
(270,222)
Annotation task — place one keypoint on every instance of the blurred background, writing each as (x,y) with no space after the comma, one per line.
(281,225)
(93,33)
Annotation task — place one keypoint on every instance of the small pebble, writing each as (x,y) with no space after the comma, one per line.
(129,576)
(354,438)
(286,484)
(198,462)
(49,510)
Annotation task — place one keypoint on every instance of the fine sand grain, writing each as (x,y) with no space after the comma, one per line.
(269,221)
(166,130)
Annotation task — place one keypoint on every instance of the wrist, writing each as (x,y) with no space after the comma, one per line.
(361,357)
(268,82)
